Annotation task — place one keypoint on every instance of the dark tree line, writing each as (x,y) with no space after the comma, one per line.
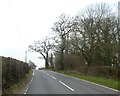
(43,47)
(88,39)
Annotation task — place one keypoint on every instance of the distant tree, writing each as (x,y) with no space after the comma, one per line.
(42,47)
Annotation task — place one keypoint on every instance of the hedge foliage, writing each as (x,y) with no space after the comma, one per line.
(12,71)
(100,71)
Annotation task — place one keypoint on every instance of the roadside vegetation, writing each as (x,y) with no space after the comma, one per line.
(19,87)
(96,79)
(14,75)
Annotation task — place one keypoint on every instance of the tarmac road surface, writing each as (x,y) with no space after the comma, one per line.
(50,82)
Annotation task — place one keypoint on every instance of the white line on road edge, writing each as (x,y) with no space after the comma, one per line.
(100,85)
(30,83)
(66,86)
(42,71)
(91,83)
(47,74)
(53,77)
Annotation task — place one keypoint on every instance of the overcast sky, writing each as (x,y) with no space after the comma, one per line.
(23,21)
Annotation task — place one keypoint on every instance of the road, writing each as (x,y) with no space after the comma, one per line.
(49,82)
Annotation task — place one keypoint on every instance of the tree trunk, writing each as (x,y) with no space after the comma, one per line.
(51,61)
(61,60)
(46,60)
(46,63)
(62,53)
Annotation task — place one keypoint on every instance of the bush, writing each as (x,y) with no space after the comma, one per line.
(103,71)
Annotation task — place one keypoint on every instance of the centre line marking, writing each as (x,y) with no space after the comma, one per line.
(53,77)
(66,86)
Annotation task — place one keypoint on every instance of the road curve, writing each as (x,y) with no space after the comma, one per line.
(49,82)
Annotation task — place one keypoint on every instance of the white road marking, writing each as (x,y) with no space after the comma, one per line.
(30,83)
(91,82)
(26,91)
(53,77)
(101,85)
(66,86)
(47,74)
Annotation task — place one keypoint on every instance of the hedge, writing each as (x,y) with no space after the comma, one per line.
(12,71)
(101,71)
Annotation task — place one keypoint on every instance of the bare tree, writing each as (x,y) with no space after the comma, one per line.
(93,33)
(42,47)
(62,29)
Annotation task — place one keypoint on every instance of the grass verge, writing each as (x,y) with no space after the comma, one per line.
(99,80)
(17,88)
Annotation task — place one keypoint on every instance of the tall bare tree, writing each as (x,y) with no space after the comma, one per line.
(62,29)
(91,28)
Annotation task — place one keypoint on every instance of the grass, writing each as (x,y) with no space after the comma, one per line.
(17,88)
(99,80)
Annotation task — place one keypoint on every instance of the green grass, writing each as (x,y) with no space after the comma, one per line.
(17,88)
(99,80)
